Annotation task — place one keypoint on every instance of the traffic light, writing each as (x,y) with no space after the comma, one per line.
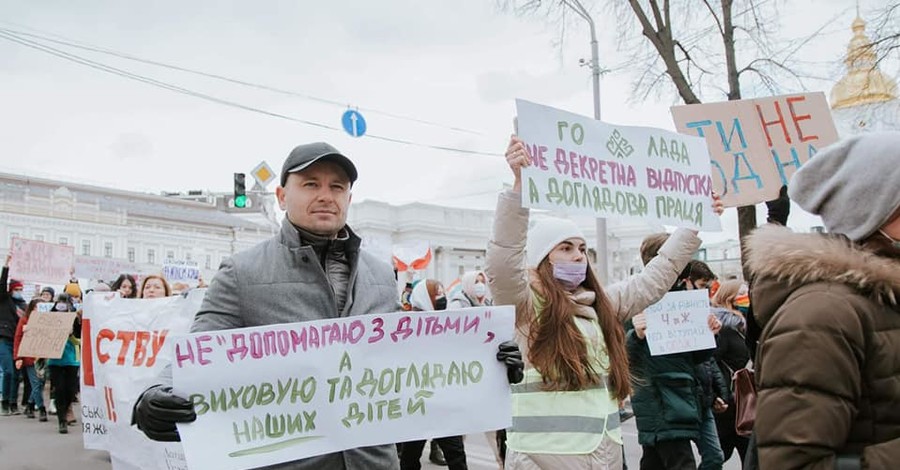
(240,191)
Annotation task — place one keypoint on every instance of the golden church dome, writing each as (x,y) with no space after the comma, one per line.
(864,82)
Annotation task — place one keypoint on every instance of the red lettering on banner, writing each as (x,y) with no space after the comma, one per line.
(87,352)
(126,337)
(766,124)
(147,345)
(797,119)
(108,335)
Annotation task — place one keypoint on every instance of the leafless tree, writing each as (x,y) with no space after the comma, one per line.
(886,33)
(694,50)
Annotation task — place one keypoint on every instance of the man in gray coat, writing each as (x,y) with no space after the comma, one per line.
(313,269)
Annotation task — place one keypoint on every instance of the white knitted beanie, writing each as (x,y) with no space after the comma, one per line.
(545,234)
(854,185)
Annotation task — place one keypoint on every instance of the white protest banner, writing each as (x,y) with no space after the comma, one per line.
(102,269)
(678,323)
(46,334)
(757,145)
(584,166)
(125,347)
(181,270)
(41,262)
(279,393)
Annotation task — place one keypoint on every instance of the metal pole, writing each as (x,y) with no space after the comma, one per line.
(602,264)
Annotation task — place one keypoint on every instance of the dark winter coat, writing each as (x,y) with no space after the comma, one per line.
(828,364)
(9,318)
(667,395)
(712,383)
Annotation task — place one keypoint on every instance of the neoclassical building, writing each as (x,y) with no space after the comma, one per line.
(142,230)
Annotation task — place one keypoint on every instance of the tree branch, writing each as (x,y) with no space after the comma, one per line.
(715,17)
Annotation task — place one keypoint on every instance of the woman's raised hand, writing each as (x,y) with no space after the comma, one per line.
(718,207)
(517,157)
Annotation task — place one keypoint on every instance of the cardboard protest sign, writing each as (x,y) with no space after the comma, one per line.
(757,145)
(678,323)
(279,393)
(44,262)
(46,334)
(105,269)
(584,166)
(125,347)
(180,270)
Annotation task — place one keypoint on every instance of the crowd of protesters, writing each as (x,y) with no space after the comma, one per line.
(818,320)
(50,386)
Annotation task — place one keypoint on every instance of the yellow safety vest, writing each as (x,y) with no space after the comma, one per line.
(564,422)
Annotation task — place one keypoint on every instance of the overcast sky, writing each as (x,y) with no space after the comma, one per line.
(458,63)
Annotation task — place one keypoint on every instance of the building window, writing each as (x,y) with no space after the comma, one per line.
(701,255)
(85,247)
(170,255)
(107,249)
(13,235)
(131,255)
(63,241)
(39,238)
(187,256)
(208,261)
(151,256)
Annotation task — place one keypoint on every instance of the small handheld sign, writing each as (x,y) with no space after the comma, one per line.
(354,123)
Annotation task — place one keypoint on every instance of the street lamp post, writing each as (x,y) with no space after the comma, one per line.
(602,259)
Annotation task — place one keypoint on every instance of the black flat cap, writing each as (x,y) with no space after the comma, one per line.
(305,155)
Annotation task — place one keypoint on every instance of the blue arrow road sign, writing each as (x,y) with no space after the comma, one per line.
(354,123)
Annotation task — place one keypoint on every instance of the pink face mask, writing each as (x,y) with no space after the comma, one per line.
(570,275)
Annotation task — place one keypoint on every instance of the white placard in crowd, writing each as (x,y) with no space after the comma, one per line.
(125,346)
(102,269)
(678,323)
(278,393)
(588,167)
(180,270)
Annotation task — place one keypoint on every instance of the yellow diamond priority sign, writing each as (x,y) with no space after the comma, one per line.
(263,174)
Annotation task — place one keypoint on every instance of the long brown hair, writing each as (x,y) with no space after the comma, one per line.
(558,349)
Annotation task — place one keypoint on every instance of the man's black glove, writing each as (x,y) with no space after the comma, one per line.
(510,355)
(157,411)
(780,208)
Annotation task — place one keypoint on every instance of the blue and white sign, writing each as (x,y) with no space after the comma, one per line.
(354,123)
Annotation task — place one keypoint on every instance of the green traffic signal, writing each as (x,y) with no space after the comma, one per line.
(240,192)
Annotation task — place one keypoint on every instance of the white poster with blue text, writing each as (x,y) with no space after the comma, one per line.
(679,323)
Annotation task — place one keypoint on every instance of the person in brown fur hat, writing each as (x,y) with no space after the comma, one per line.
(827,369)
